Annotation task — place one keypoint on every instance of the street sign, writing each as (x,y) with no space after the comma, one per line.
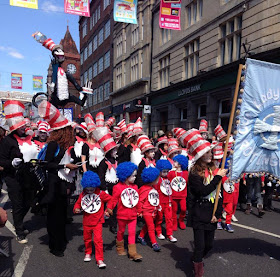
(147,109)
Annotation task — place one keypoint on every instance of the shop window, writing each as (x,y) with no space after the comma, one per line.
(202,111)
(224,113)
(184,114)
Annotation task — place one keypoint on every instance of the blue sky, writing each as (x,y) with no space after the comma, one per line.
(19,52)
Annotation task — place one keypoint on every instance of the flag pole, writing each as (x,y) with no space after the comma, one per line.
(228,133)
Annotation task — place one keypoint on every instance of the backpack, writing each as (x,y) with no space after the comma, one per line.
(42,154)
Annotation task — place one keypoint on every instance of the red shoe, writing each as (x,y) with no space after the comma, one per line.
(182,225)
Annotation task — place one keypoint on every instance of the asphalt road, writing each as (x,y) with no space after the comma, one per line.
(246,252)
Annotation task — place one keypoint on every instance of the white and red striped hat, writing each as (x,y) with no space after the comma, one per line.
(117,133)
(203,127)
(99,120)
(122,125)
(218,151)
(130,130)
(179,132)
(110,122)
(162,140)
(52,115)
(138,127)
(144,144)
(43,127)
(104,139)
(33,126)
(230,144)
(83,126)
(13,110)
(173,146)
(220,133)
(49,44)
(196,145)
(91,126)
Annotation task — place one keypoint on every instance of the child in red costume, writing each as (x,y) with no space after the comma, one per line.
(149,205)
(125,194)
(178,178)
(165,199)
(91,201)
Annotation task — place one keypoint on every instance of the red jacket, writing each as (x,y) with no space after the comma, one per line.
(171,175)
(163,199)
(93,219)
(228,197)
(122,211)
(144,205)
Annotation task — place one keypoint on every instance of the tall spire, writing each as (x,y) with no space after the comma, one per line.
(69,45)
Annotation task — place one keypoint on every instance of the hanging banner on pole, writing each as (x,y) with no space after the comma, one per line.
(125,11)
(170,14)
(31,4)
(77,7)
(16,80)
(257,143)
(37,82)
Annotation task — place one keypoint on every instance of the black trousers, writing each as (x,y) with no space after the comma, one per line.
(72,99)
(267,199)
(20,198)
(203,243)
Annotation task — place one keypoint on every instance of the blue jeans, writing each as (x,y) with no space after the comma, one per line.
(254,190)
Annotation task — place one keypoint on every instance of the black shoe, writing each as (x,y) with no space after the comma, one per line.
(113,230)
(57,253)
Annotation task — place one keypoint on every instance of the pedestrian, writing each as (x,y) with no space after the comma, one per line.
(123,151)
(162,148)
(125,195)
(43,133)
(173,149)
(165,199)
(91,202)
(270,185)
(149,205)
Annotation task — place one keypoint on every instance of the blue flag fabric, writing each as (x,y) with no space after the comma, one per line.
(257,143)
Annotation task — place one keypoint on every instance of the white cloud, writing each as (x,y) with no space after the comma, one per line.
(49,6)
(11,52)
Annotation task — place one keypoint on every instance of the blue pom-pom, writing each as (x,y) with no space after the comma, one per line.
(163,165)
(182,161)
(125,170)
(149,174)
(90,180)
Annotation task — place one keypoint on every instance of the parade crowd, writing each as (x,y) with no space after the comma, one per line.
(118,174)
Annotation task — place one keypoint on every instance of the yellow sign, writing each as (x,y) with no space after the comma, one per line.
(31,4)
(166,11)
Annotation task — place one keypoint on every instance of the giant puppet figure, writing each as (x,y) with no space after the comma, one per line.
(60,95)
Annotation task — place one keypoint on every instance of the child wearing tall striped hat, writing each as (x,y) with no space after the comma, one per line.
(43,133)
(162,148)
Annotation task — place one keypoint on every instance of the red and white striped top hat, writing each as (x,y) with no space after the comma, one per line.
(99,120)
(104,139)
(196,145)
(122,125)
(220,133)
(173,146)
(230,144)
(91,126)
(138,127)
(178,132)
(49,44)
(203,127)
(117,132)
(110,122)
(83,126)
(14,110)
(43,127)
(33,126)
(130,130)
(144,144)
(218,151)
(162,140)
(52,115)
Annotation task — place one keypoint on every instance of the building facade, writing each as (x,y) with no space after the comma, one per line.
(194,70)
(96,42)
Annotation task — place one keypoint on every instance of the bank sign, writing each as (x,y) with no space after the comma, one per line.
(257,145)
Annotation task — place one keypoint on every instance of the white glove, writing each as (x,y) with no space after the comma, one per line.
(16,162)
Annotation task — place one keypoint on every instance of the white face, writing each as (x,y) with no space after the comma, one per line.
(132,178)
(59,54)
(207,157)
(204,136)
(176,165)
(164,173)
(150,154)
(114,153)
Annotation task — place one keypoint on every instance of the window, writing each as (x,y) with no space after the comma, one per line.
(119,45)
(184,114)
(98,13)
(90,73)
(164,71)
(134,67)
(84,28)
(224,113)
(100,37)
(100,65)
(106,90)
(230,40)
(134,34)
(107,60)
(85,77)
(82,57)
(106,3)
(100,94)
(142,37)
(191,60)
(95,17)
(82,80)
(124,44)
(89,100)
(194,12)
(95,43)
(165,35)
(141,66)
(119,77)
(85,54)
(94,102)
(202,111)
(107,29)
(91,21)
(90,48)
(94,69)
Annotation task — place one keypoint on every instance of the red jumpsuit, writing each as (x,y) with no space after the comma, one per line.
(92,224)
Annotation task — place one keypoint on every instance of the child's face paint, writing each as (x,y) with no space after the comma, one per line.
(132,178)
(89,190)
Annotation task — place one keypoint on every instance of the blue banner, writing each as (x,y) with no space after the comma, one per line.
(257,143)
(125,11)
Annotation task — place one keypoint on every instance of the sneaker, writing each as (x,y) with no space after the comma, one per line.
(161,236)
(87,258)
(228,228)
(219,226)
(233,218)
(141,240)
(22,239)
(224,215)
(172,239)
(156,247)
(101,264)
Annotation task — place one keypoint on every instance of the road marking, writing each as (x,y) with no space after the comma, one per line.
(256,230)
(10,226)
(19,270)
(4,200)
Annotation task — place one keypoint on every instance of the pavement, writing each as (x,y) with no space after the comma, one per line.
(246,252)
